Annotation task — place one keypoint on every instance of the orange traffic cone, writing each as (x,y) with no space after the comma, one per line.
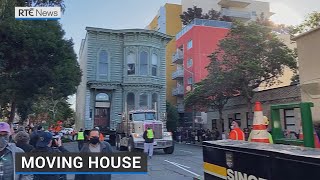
(316,138)
(259,131)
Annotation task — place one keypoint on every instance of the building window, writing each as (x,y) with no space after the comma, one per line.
(131,62)
(189,63)
(103,63)
(249,121)
(154,100)
(130,101)
(214,124)
(102,97)
(289,120)
(143,103)
(189,46)
(190,80)
(143,63)
(154,64)
(237,116)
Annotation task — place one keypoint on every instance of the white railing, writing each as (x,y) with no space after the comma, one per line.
(178,73)
(178,91)
(235,3)
(178,55)
(235,13)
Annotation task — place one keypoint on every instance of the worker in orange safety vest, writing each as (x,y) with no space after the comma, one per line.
(236,133)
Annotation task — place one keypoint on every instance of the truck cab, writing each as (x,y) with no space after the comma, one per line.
(132,127)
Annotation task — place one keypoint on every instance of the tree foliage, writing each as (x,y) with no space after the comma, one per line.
(172,117)
(278,28)
(251,55)
(195,12)
(34,57)
(214,91)
(312,21)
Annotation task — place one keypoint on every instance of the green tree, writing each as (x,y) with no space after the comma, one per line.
(212,92)
(190,14)
(34,56)
(172,117)
(251,55)
(312,21)
(195,12)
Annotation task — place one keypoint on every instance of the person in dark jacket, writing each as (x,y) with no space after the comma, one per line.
(95,146)
(44,144)
(22,141)
(34,136)
(148,136)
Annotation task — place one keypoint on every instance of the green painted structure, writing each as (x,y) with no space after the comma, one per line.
(307,125)
(118,66)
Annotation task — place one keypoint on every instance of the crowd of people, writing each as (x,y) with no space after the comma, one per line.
(37,140)
(189,135)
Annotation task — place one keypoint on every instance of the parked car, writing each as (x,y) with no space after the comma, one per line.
(67,131)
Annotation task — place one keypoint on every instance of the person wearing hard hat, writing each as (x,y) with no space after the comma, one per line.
(236,133)
(266,122)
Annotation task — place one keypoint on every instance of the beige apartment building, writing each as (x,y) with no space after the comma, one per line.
(309,68)
(239,9)
(285,79)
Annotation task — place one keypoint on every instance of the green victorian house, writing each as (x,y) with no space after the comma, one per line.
(120,66)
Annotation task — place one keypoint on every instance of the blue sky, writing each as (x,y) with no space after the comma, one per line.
(122,14)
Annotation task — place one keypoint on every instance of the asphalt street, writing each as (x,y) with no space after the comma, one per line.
(185,163)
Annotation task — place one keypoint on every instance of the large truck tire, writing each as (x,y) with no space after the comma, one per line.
(117,143)
(169,150)
(112,140)
(131,147)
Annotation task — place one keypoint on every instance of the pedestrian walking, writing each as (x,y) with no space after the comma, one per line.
(22,141)
(80,139)
(148,136)
(95,146)
(236,133)
(7,155)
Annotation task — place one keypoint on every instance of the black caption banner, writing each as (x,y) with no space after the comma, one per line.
(78,163)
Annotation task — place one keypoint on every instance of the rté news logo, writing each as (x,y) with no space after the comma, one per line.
(37,13)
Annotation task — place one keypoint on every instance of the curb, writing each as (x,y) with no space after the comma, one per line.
(200,145)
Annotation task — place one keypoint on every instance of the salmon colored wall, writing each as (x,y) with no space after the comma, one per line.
(204,41)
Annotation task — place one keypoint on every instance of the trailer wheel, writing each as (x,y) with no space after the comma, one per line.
(131,145)
(169,150)
(118,145)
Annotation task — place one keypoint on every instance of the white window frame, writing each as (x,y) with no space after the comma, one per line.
(140,99)
(189,44)
(144,64)
(135,63)
(134,99)
(189,63)
(154,65)
(190,80)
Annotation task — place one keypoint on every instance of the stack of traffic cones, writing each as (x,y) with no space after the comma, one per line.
(259,131)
